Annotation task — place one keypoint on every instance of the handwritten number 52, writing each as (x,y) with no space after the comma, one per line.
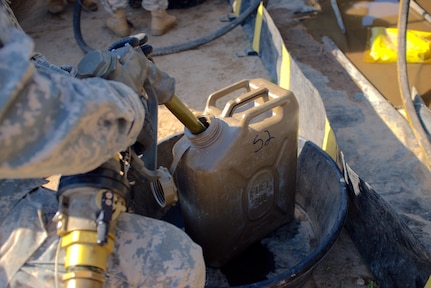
(262,142)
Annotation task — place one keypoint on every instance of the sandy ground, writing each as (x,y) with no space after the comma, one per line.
(198,73)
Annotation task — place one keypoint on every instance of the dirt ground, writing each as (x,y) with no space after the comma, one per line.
(198,73)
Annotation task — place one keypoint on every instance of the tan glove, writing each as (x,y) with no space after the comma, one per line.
(126,65)
(130,66)
(156,81)
(158,84)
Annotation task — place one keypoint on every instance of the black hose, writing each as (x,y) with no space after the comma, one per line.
(169,49)
(77,27)
(409,108)
(203,40)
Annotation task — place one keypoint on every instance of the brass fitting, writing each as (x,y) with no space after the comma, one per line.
(89,204)
(83,251)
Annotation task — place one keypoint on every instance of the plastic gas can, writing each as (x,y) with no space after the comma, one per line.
(236,180)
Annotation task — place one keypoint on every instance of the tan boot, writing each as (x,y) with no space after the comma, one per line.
(161,22)
(56,6)
(117,23)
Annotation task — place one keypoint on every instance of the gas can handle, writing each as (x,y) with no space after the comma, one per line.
(213,97)
(256,88)
(271,104)
(242,100)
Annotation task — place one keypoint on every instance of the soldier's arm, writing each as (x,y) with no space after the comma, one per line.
(51,123)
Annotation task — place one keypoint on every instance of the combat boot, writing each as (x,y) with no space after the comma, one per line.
(56,6)
(117,23)
(161,22)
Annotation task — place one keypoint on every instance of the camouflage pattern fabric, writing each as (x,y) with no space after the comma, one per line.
(148,252)
(52,123)
(7,11)
(55,122)
(150,5)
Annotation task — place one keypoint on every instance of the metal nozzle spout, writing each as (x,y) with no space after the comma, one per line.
(185,115)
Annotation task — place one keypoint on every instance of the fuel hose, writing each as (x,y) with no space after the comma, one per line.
(212,36)
(76,21)
(412,117)
(168,49)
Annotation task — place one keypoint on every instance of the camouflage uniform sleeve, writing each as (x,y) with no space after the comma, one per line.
(52,123)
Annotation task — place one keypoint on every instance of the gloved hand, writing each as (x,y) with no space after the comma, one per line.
(139,43)
(126,61)
(157,82)
(127,65)
(132,69)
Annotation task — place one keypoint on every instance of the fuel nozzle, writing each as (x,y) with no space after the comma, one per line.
(186,116)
